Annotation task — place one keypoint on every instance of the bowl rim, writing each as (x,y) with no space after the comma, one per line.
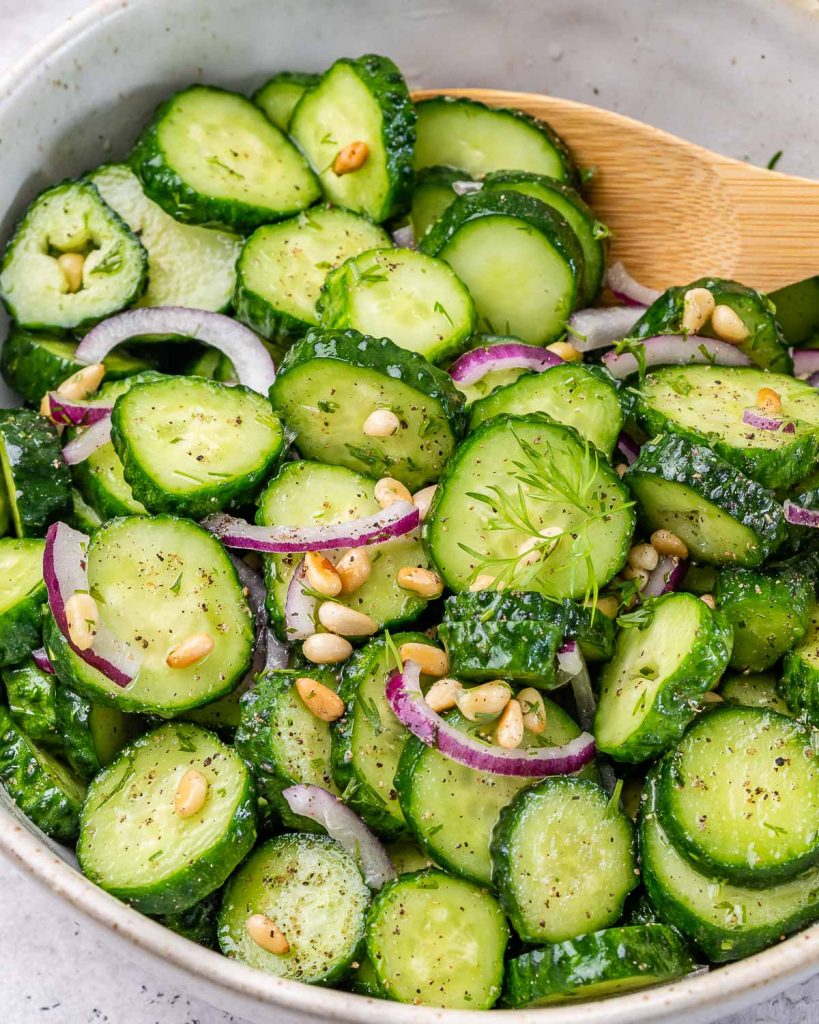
(702,996)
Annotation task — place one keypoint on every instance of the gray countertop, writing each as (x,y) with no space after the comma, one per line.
(55,970)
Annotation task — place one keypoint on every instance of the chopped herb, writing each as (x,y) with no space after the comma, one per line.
(392,651)
(111,263)
(771,164)
(327,406)
(440,309)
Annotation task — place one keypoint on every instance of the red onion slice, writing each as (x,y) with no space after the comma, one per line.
(472,366)
(76,414)
(675,350)
(394,521)
(404,237)
(42,661)
(299,607)
(65,573)
(805,362)
(277,653)
(762,421)
(623,285)
(813,380)
(799,516)
(597,328)
(251,360)
(88,441)
(463,188)
(407,702)
(667,576)
(345,826)
(628,447)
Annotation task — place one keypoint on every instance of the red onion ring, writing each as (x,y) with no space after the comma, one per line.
(511,355)
(602,326)
(628,447)
(675,350)
(623,285)
(42,661)
(76,414)
(88,441)
(404,237)
(299,607)
(251,360)
(666,576)
(762,421)
(799,516)
(805,362)
(407,702)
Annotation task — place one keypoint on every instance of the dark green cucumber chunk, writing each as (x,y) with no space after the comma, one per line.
(92,734)
(752,690)
(432,194)
(330,382)
(800,673)
(662,665)
(797,310)
(82,517)
(519,258)
(280,94)
(32,701)
(194,446)
(593,631)
(439,941)
(36,478)
(211,157)
(22,594)
(197,923)
(103,271)
(528,503)
(314,893)
(359,101)
(723,517)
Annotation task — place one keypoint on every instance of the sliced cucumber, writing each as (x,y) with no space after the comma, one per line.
(432,194)
(22,594)
(569,393)
(157,581)
(212,364)
(519,258)
(706,404)
(313,892)
(758,690)
(211,157)
(478,139)
(407,857)
(604,963)
(359,101)
(800,673)
(280,94)
(593,631)
(723,517)
(36,478)
(71,218)
(435,940)
(187,265)
(83,517)
(529,466)
(92,734)
(330,382)
(197,923)
(194,446)
(32,700)
(650,690)
(797,310)
(412,299)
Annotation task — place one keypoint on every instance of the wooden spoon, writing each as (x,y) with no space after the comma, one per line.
(678,211)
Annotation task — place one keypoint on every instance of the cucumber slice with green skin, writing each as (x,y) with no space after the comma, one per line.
(211,157)
(797,310)
(283,742)
(330,382)
(650,690)
(521,651)
(193,446)
(563,859)
(71,218)
(363,100)
(83,517)
(364,981)
(368,739)
(575,211)
(728,922)
(22,595)
(312,889)
(157,581)
(439,941)
(722,517)
(92,734)
(36,477)
(197,923)
(432,194)
(706,404)
(569,393)
(758,690)
(407,857)
(518,257)
(800,673)
(282,268)
(769,613)
(133,843)
(452,809)
(213,365)
(593,631)
(530,466)
(765,344)
(412,299)
(279,96)
(47,792)
(462,133)
(187,265)
(33,364)
(739,796)
(305,493)
(32,701)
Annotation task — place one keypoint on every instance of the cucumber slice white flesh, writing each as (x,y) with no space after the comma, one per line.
(278,97)
(756,690)
(22,592)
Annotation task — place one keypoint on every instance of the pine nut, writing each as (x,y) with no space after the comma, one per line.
(424,582)
(640,575)
(422,500)
(485,701)
(728,325)
(565,351)
(353,569)
(769,400)
(643,556)
(667,543)
(381,423)
(326,649)
(82,383)
(319,699)
(534,710)
(698,305)
(443,694)
(433,661)
(321,574)
(267,934)
(709,600)
(344,621)
(72,264)
(388,491)
(482,582)
(82,615)
(608,606)
(189,651)
(509,731)
(620,469)
(191,794)
(351,158)
(709,697)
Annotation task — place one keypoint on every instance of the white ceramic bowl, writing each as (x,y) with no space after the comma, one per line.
(737,75)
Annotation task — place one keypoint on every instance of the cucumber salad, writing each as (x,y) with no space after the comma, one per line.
(395,596)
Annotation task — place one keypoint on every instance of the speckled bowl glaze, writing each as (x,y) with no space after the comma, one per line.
(736,75)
